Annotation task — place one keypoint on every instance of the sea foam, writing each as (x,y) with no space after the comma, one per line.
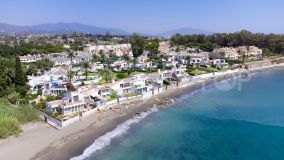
(106,139)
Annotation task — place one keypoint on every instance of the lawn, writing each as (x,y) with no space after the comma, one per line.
(136,72)
(225,68)
(93,74)
(197,72)
(213,69)
(102,81)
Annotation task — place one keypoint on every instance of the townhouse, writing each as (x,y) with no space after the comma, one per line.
(60,59)
(235,53)
(30,58)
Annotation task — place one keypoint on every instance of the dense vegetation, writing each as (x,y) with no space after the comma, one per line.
(13,87)
(12,78)
(39,66)
(29,48)
(269,42)
(139,45)
(7,76)
(11,118)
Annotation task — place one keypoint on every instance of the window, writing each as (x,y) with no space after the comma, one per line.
(76,98)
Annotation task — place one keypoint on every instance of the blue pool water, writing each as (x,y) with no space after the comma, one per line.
(245,122)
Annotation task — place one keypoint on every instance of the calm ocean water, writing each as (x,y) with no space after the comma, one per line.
(245,122)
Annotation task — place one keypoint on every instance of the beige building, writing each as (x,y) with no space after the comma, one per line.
(235,53)
(117,49)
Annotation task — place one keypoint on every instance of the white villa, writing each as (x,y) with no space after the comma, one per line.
(60,59)
(219,63)
(96,66)
(135,84)
(120,65)
(30,58)
(71,103)
(199,59)
(49,82)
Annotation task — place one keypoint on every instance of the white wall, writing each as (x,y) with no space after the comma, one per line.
(56,122)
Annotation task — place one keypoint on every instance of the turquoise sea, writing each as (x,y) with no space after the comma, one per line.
(218,122)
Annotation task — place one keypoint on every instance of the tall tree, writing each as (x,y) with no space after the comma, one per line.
(20,78)
(152,46)
(106,73)
(71,55)
(86,66)
(70,75)
(137,45)
(103,56)
(128,61)
(19,74)
(96,58)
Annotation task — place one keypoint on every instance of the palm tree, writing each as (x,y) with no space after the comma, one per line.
(134,61)
(71,55)
(86,66)
(96,58)
(70,75)
(103,56)
(239,53)
(128,60)
(106,72)
(244,59)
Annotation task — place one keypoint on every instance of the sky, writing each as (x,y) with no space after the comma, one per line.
(150,16)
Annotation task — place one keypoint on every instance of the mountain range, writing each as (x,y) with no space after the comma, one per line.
(183,31)
(62,28)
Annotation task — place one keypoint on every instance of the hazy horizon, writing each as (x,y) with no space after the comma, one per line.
(150,17)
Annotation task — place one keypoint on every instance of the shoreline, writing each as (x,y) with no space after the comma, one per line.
(77,147)
(49,143)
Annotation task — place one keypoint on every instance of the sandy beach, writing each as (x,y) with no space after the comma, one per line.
(45,142)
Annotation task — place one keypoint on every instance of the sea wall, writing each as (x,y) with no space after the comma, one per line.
(56,122)
(264,63)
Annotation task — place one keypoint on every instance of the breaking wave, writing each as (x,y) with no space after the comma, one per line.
(106,139)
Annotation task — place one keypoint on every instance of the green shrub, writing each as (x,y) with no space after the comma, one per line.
(113,95)
(121,75)
(166,82)
(27,114)
(11,117)
(13,97)
(132,94)
(51,98)
(9,126)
